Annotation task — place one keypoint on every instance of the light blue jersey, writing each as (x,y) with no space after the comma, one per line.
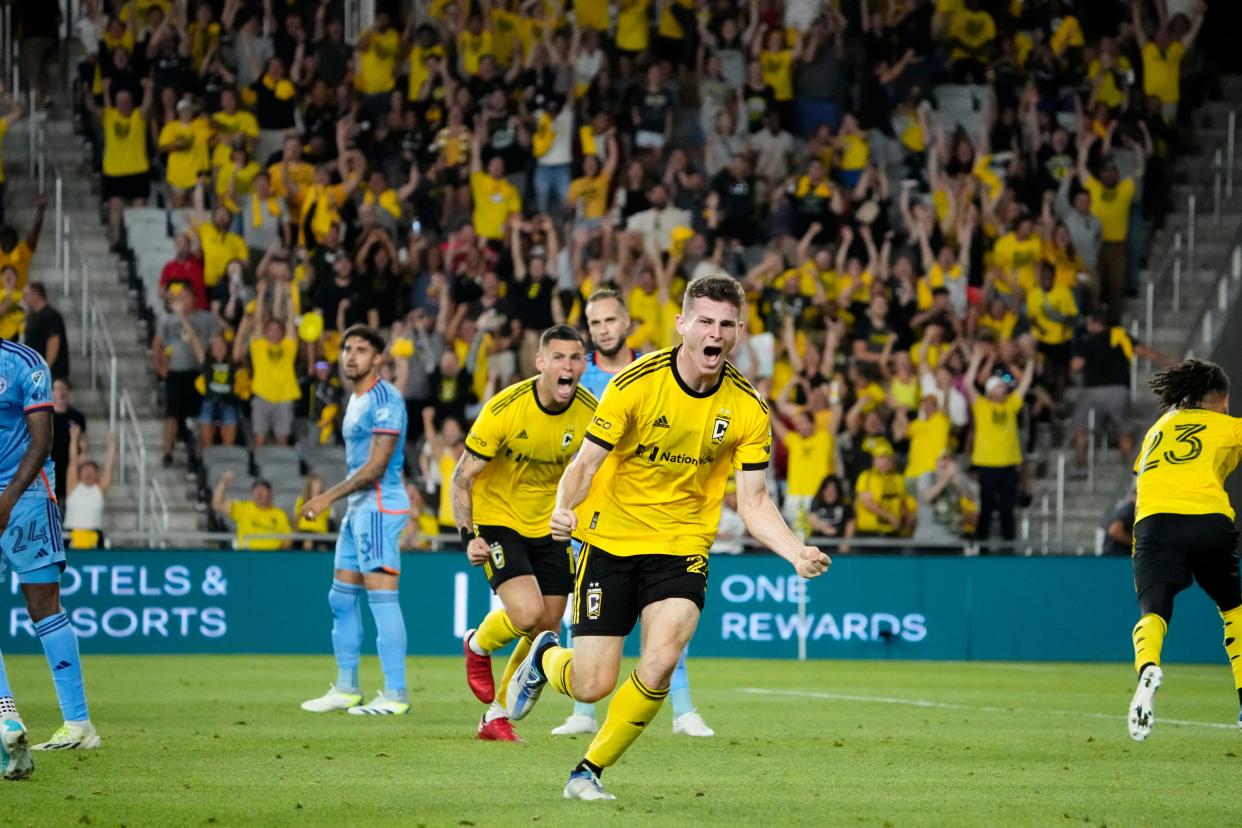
(371,530)
(595,379)
(25,386)
(379,410)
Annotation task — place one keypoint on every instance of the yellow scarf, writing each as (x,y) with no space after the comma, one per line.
(282,88)
(544,136)
(256,213)
(586,137)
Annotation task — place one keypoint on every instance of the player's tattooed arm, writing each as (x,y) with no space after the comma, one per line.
(39,424)
(382,447)
(467,469)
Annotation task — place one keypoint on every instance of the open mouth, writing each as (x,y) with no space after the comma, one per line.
(712,353)
(564,385)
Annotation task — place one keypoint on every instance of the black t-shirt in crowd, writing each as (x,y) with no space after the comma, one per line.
(41,326)
(1104,354)
(60,445)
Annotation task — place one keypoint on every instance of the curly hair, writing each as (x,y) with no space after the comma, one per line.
(1188,383)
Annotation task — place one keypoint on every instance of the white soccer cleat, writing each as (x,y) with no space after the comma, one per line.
(576,724)
(691,724)
(583,784)
(15,759)
(381,705)
(1143,705)
(72,737)
(332,700)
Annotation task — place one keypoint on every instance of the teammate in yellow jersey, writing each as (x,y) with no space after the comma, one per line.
(1184,524)
(503,491)
(667,435)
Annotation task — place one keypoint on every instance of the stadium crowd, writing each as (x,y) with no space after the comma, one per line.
(922,292)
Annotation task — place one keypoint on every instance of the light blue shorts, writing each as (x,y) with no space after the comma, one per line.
(34,539)
(368,542)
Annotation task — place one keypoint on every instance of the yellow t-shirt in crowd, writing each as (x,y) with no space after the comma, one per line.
(14,319)
(219,248)
(670,454)
(633,25)
(274,380)
(377,63)
(1162,73)
(970,31)
(996,432)
(125,143)
(592,14)
(229,127)
(929,437)
(670,26)
(1042,306)
(593,193)
(251,520)
(495,199)
(526,447)
(472,47)
(778,72)
(419,69)
(19,259)
(1111,205)
(1187,455)
(1108,93)
(855,152)
(318,526)
(810,461)
(446,464)
(1020,259)
(184,165)
(889,491)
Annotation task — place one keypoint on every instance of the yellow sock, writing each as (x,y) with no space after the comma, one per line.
(1148,640)
(519,654)
(557,665)
(496,630)
(1233,644)
(633,706)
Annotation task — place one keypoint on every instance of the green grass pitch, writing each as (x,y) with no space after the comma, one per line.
(220,741)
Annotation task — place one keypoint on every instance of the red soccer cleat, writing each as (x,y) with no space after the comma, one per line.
(497,730)
(479,672)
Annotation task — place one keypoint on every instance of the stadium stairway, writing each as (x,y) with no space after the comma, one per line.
(106,292)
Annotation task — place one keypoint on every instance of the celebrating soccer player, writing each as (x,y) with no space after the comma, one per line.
(1183,521)
(670,430)
(33,547)
(503,491)
(367,553)
(608,322)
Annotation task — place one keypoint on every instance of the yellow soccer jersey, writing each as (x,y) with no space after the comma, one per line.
(1187,455)
(526,447)
(671,452)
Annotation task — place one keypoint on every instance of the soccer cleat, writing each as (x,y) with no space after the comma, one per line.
(15,759)
(479,672)
(381,705)
(497,730)
(1143,705)
(332,700)
(72,737)
(575,725)
(691,724)
(528,680)
(583,784)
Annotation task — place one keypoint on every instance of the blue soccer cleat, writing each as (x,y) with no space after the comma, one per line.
(528,681)
(583,784)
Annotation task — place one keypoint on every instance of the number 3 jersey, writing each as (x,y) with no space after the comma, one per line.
(672,450)
(378,410)
(1186,457)
(25,387)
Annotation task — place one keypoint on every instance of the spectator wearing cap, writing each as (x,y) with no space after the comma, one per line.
(185,268)
(184,141)
(997,452)
(254,517)
(178,350)
(273,350)
(45,330)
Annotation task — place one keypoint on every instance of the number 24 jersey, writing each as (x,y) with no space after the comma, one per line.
(1186,457)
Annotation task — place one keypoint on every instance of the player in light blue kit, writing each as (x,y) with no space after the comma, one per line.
(608,323)
(33,547)
(367,554)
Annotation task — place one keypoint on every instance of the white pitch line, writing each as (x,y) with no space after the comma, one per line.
(926,703)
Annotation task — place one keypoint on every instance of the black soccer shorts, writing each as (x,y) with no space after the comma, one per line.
(1173,551)
(550,561)
(611,591)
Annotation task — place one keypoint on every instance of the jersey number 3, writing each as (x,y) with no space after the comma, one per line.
(1185,434)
